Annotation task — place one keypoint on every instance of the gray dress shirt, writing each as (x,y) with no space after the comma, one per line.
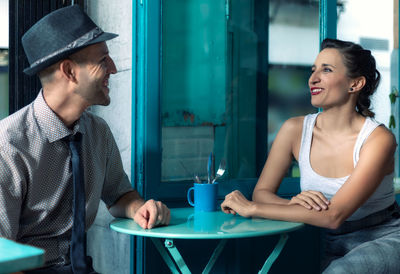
(36,176)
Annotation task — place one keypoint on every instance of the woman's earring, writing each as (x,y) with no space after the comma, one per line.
(351,89)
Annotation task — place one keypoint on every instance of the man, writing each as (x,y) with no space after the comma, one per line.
(50,146)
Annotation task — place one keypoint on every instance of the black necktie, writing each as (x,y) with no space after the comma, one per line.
(78,239)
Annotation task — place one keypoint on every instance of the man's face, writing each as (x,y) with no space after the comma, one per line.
(95,67)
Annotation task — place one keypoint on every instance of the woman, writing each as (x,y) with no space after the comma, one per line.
(346,162)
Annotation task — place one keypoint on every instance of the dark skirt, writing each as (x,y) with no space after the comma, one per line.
(369,245)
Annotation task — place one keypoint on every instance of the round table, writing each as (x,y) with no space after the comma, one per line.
(187,224)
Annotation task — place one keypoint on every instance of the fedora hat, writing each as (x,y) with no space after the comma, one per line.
(58,35)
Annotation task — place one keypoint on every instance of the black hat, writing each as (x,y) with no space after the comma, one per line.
(58,35)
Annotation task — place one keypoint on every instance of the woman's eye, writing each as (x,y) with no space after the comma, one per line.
(327,70)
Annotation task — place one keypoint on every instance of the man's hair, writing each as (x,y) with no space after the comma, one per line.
(79,57)
(46,75)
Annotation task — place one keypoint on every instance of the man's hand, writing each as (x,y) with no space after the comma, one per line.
(152,213)
(147,214)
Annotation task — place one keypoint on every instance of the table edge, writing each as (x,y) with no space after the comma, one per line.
(200,235)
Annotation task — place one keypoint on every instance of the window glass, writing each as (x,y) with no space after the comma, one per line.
(3,83)
(232,73)
(293,46)
(355,24)
(3,58)
(372,27)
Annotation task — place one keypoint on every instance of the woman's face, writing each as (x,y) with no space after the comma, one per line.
(329,84)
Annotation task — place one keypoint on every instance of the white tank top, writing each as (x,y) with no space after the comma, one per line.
(310,180)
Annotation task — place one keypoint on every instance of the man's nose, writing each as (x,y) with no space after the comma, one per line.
(111,66)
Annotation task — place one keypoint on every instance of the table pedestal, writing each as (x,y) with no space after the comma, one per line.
(177,264)
(190,225)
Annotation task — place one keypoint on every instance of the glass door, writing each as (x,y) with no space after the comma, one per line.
(3,58)
(194,79)
(231,73)
(375,27)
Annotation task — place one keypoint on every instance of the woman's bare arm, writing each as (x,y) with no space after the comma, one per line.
(284,148)
(376,161)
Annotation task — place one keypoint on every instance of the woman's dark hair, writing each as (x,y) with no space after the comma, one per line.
(359,62)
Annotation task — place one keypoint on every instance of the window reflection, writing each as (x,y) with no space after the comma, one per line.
(293,46)
(356,25)
(3,83)
(372,27)
(232,73)
(3,58)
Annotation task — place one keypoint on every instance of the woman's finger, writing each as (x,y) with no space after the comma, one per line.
(297,201)
(317,200)
(309,200)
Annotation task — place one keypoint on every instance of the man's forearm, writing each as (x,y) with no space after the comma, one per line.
(127,205)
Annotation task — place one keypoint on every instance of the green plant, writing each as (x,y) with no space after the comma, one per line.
(393,97)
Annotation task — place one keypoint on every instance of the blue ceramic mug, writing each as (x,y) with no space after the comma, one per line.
(205,196)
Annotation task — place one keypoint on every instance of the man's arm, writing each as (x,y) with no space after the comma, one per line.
(117,188)
(147,214)
(12,185)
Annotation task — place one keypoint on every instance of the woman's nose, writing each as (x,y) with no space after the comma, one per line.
(314,78)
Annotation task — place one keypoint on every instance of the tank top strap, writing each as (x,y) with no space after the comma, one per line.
(369,126)
(306,138)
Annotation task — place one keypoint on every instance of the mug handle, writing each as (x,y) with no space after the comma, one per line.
(191,202)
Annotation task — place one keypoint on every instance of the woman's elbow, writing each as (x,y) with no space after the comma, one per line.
(333,224)
(334,219)
(254,196)
(260,196)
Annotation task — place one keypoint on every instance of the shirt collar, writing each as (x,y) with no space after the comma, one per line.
(52,127)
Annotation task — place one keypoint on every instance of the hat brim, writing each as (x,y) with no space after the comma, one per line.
(48,62)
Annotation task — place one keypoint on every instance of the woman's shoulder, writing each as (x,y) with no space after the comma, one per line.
(381,136)
(382,133)
(294,123)
(291,129)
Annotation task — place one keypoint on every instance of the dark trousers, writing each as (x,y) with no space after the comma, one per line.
(368,246)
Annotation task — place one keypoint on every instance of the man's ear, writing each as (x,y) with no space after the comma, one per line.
(68,70)
(357,84)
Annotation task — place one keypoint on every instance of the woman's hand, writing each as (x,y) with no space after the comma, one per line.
(311,200)
(235,202)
